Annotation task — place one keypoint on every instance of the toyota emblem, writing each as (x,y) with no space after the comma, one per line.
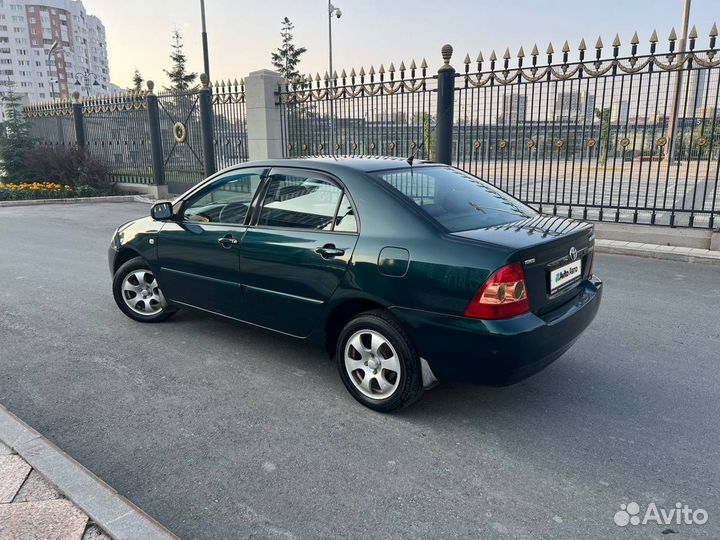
(573,253)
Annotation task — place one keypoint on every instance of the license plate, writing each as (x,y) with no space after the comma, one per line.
(565,274)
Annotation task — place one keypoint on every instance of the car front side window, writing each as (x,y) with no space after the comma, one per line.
(228,200)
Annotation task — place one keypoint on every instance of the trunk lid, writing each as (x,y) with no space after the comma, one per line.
(544,244)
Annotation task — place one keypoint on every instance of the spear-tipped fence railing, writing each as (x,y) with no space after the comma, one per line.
(632,138)
(604,136)
(385,113)
(229,123)
(117,131)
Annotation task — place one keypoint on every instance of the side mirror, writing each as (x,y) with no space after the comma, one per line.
(161,211)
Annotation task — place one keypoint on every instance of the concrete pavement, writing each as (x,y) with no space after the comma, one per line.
(223,431)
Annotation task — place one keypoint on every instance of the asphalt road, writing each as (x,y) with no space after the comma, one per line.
(223,431)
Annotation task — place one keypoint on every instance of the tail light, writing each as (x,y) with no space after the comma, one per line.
(592,260)
(503,295)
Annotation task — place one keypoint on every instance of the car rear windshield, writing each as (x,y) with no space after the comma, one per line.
(456,200)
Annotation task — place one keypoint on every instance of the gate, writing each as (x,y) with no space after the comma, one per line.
(181,135)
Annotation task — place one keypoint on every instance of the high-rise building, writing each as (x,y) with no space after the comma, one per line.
(619,111)
(512,109)
(572,106)
(692,93)
(42,71)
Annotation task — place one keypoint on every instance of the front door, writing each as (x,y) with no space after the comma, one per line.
(199,253)
(296,254)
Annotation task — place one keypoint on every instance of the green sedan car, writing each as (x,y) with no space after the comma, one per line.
(408,274)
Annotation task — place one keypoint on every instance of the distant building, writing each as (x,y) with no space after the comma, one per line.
(692,94)
(572,106)
(512,109)
(619,112)
(28,29)
(705,112)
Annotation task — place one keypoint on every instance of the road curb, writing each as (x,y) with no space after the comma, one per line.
(112,512)
(77,200)
(656,251)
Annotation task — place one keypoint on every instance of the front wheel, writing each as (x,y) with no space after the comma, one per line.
(138,294)
(377,362)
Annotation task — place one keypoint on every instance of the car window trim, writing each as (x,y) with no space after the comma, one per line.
(201,191)
(312,174)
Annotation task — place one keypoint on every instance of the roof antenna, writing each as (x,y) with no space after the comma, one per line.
(413,155)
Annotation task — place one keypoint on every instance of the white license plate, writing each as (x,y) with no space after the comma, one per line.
(565,274)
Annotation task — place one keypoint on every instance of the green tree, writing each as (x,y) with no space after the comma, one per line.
(179,76)
(604,116)
(287,58)
(15,137)
(137,81)
(429,135)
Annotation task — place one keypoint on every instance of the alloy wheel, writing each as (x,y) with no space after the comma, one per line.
(372,364)
(141,293)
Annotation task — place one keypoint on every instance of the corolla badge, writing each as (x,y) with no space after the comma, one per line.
(573,253)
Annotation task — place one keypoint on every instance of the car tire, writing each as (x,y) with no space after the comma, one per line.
(378,363)
(138,294)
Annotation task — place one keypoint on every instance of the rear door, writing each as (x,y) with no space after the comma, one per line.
(199,254)
(295,254)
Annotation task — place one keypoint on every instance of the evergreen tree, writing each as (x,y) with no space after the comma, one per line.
(180,78)
(287,57)
(15,137)
(137,81)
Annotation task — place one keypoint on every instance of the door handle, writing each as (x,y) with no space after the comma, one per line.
(328,251)
(227,241)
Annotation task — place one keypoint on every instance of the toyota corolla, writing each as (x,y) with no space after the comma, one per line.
(408,274)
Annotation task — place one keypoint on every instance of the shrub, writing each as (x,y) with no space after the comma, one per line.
(67,165)
(48,190)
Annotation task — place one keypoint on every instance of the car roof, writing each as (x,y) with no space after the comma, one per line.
(329,163)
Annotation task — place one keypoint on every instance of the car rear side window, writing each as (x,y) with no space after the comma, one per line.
(456,200)
(302,203)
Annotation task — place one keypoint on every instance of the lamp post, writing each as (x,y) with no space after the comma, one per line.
(50,52)
(86,80)
(675,105)
(332,11)
(206,56)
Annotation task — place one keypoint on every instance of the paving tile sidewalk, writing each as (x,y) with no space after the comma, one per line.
(658,251)
(32,509)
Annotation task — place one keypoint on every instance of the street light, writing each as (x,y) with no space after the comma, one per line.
(678,84)
(332,10)
(206,58)
(52,49)
(86,79)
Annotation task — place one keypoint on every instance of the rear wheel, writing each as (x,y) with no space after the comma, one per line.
(138,294)
(378,363)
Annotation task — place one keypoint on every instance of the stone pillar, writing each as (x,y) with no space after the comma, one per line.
(264,128)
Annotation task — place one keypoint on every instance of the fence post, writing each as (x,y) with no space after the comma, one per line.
(155,136)
(78,120)
(206,125)
(264,129)
(445,105)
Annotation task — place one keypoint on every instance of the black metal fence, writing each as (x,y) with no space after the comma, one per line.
(117,133)
(632,138)
(592,134)
(197,132)
(388,113)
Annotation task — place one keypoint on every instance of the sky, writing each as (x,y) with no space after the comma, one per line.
(243,33)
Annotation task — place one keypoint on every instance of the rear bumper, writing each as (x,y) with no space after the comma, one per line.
(499,352)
